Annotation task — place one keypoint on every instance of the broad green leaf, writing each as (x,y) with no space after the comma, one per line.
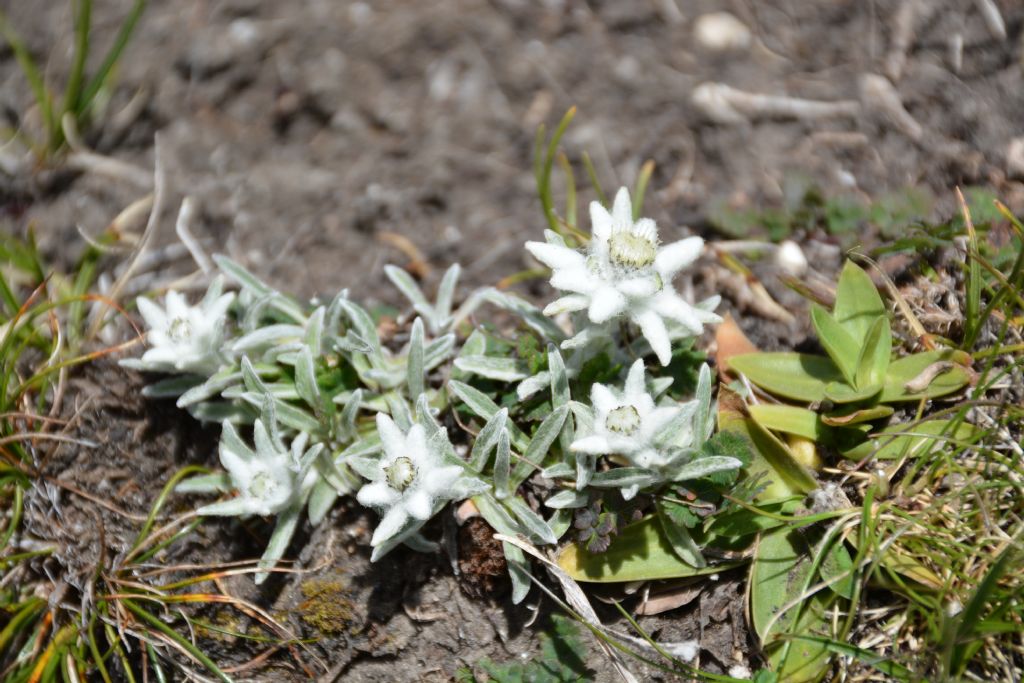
(798,376)
(857,302)
(841,392)
(873,360)
(782,474)
(855,416)
(641,552)
(779,578)
(841,347)
(914,440)
(911,367)
(788,419)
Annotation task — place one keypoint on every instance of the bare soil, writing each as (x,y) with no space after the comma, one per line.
(312,134)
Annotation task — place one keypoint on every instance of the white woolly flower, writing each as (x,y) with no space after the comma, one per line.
(408,480)
(270,479)
(184,338)
(627,423)
(625,273)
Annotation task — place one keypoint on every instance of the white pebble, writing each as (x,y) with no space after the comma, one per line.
(1015,158)
(790,258)
(721,31)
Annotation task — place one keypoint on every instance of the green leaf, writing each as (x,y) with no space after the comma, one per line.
(850,416)
(641,552)
(789,419)
(502,466)
(414,367)
(540,444)
(914,440)
(779,577)
(841,347)
(798,376)
(486,440)
(619,477)
(249,281)
(287,520)
(783,475)
(321,498)
(857,302)
(705,466)
(678,534)
(405,283)
(873,360)
(841,392)
(911,367)
(223,379)
(305,382)
(499,369)
(315,332)
(531,521)
(446,294)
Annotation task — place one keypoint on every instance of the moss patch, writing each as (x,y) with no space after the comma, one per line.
(327,606)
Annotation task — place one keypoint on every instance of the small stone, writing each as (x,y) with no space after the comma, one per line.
(791,259)
(721,31)
(1015,158)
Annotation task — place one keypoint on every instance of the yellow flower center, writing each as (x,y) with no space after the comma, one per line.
(627,249)
(179,330)
(624,420)
(400,474)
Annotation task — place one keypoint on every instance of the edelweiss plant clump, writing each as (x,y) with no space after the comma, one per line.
(334,409)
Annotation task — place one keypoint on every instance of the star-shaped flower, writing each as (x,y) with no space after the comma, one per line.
(184,338)
(627,422)
(270,479)
(408,482)
(625,273)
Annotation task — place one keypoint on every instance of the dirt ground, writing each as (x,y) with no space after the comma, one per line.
(311,133)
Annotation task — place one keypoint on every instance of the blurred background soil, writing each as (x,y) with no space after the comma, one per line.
(316,137)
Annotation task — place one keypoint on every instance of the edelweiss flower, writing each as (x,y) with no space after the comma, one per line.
(625,273)
(270,479)
(184,338)
(408,481)
(627,423)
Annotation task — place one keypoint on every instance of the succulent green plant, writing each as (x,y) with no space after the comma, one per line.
(846,392)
